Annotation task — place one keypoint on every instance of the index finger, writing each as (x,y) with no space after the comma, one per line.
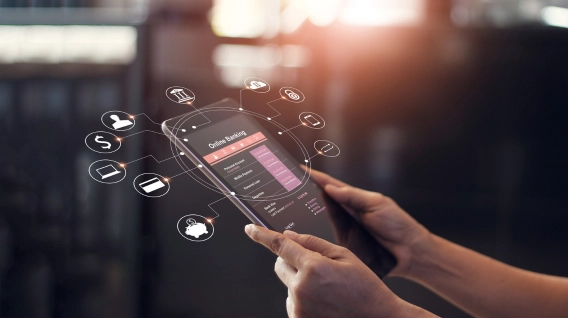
(292,252)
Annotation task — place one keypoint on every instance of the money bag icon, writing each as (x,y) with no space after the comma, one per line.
(194,228)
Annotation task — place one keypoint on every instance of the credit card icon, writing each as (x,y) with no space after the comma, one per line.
(151,185)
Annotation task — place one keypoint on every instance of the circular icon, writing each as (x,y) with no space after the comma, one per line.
(180,95)
(292,95)
(107,171)
(118,121)
(102,142)
(257,85)
(151,185)
(326,148)
(312,120)
(195,228)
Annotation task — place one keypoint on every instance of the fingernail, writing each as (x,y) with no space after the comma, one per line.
(330,187)
(290,234)
(248,229)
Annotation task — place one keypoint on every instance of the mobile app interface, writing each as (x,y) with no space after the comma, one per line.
(251,163)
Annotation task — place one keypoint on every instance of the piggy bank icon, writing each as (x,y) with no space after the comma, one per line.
(195,229)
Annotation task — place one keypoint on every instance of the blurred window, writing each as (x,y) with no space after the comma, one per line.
(265,18)
(511,12)
(555,16)
(235,62)
(67,44)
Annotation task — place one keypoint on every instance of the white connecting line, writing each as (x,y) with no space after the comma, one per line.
(142,132)
(283,131)
(317,154)
(153,122)
(154,159)
(186,171)
(269,118)
(241,97)
(208,120)
(144,114)
(214,209)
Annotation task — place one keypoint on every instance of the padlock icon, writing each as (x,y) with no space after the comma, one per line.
(195,229)
(292,94)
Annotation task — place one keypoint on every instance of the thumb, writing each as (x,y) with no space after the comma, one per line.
(315,244)
(353,197)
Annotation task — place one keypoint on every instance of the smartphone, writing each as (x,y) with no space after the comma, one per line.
(243,160)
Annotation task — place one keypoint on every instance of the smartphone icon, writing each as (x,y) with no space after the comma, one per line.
(311,119)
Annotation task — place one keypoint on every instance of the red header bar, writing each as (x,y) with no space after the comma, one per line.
(234,148)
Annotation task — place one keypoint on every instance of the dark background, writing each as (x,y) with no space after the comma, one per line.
(461,121)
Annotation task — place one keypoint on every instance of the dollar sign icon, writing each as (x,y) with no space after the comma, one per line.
(102,142)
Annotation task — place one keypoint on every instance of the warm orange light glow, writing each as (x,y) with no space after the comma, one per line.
(166,180)
(304,124)
(119,139)
(122,165)
(383,13)
(209,220)
(132,117)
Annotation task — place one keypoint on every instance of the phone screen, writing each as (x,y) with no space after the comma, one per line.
(266,178)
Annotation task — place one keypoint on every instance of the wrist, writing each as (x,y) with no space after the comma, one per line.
(405,309)
(422,254)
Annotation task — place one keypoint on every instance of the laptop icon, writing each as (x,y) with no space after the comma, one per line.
(107,171)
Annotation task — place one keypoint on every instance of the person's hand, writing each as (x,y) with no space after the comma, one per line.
(326,280)
(382,217)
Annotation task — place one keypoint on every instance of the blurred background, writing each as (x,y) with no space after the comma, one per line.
(455,108)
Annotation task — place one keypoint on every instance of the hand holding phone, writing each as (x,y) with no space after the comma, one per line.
(381,217)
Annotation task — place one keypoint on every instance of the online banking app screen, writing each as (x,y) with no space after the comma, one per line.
(246,157)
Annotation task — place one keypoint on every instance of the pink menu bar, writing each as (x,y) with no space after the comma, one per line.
(234,148)
(276,167)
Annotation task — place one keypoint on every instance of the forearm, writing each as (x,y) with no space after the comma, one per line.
(409,310)
(485,287)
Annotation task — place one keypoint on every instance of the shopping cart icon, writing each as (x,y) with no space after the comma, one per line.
(107,171)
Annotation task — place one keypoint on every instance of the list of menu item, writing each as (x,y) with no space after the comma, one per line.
(314,206)
(234,148)
(276,167)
